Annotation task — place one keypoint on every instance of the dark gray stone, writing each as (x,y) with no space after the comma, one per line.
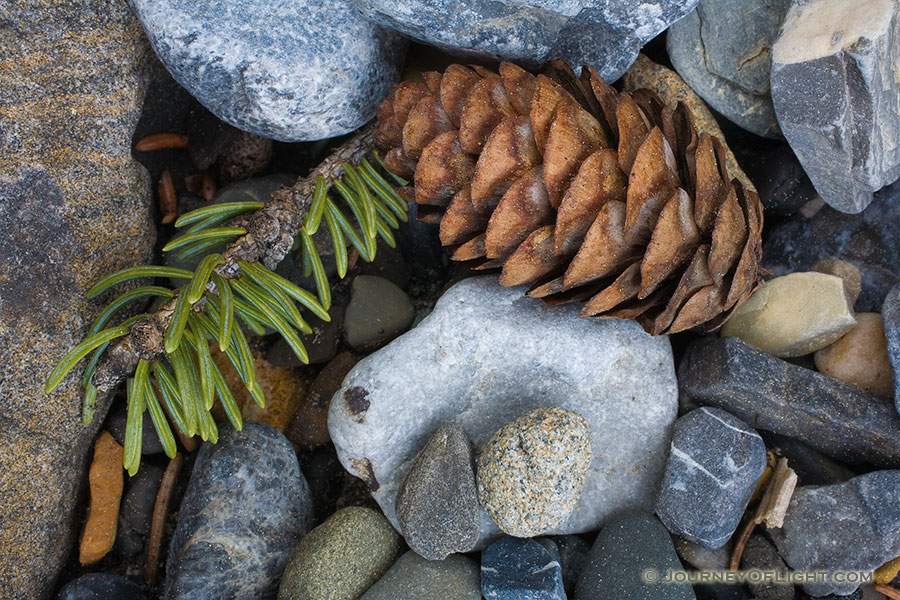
(852,526)
(781,182)
(811,466)
(246,506)
(869,240)
(136,510)
(415,578)
(115,424)
(290,71)
(890,316)
(521,569)
(723,49)
(759,553)
(321,345)
(837,95)
(715,461)
(628,553)
(388,264)
(378,312)
(836,418)
(437,503)
(102,586)
(573,552)
(605,35)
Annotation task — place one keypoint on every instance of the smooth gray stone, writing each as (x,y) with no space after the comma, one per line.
(415,578)
(290,70)
(723,49)
(852,526)
(836,418)
(890,316)
(715,461)
(378,312)
(837,95)
(869,240)
(629,551)
(102,586)
(437,504)
(514,568)
(485,356)
(606,35)
(136,510)
(246,506)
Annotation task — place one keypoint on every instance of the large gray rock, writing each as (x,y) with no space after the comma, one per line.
(868,240)
(290,70)
(606,35)
(890,316)
(836,418)
(74,207)
(852,526)
(714,463)
(487,355)
(723,50)
(837,95)
(245,509)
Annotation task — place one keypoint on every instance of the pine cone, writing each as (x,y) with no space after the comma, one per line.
(579,190)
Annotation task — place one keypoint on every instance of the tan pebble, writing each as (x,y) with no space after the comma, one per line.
(847,271)
(860,357)
(106,482)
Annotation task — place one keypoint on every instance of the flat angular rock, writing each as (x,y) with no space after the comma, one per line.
(853,526)
(485,356)
(246,506)
(836,418)
(793,315)
(288,70)
(723,50)
(415,578)
(837,95)
(437,505)
(630,552)
(74,207)
(521,569)
(868,240)
(606,36)
(890,315)
(715,462)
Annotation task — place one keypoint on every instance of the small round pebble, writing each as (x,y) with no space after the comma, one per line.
(532,471)
(341,558)
(860,357)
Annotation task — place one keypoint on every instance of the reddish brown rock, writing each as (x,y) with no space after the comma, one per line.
(309,427)
(860,357)
(106,483)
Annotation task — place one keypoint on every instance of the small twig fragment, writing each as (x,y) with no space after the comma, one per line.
(887,590)
(158,524)
(161,141)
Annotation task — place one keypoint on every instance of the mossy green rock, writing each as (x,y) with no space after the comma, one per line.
(341,558)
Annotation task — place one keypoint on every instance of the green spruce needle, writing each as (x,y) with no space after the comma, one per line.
(297,293)
(163,432)
(79,352)
(217,210)
(317,208)
(309,248)
(134,273)
(226,320)
(213,233)
(201,276)
(180,313)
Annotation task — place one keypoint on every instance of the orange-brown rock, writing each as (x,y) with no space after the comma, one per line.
(309,427)
(106,483)
(860,357)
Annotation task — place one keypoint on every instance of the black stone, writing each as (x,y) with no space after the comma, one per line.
(573,553)
(102,586)
(811,466)
(521,569)
(781,182)
(136,510)
(836,418)
(115,424)
(759,553)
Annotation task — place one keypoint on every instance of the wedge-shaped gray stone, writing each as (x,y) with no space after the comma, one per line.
(487,355)
(837,95)
(838,419)
(437,505)
(715,461)
(852,526)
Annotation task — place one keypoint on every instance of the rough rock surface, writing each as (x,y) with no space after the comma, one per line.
(617,377)
(246,506)
(723,49)
(415,578)
(853,526)
(836,418)
(287,70)
(837,95)
(890,315)
(74,206)
(605,35)
(437,505)
(868,240)
(714,463)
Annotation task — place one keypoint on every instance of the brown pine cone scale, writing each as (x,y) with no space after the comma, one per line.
(582,192)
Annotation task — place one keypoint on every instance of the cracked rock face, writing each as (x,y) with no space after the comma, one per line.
(606,35)
(488,355)
(837,95)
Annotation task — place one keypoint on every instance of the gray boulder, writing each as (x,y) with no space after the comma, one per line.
(837,95)
(486,356)
(606,35)
(723,50)
(246,507)
(287,70)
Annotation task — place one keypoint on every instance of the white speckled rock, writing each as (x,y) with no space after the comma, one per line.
(290,70)
(486,356)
